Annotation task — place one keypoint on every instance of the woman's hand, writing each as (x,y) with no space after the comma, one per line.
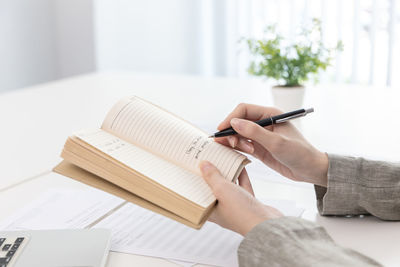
(237,208)
(280,146)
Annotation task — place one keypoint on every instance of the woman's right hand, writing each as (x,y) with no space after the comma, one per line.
(281,146)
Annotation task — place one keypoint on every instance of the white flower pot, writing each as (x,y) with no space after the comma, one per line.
(288,98)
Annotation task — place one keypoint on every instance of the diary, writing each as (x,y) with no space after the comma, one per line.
(151,157)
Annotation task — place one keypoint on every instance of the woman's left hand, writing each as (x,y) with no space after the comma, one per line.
(237,208)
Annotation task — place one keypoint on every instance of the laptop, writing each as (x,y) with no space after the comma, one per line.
(55,248)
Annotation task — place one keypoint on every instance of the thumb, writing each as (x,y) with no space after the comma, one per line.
(212,176)
(255,132)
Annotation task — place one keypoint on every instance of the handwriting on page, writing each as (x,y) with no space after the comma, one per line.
(197,146)
(113,145)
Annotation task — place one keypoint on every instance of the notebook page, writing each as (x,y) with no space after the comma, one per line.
(185,183)
(160,132)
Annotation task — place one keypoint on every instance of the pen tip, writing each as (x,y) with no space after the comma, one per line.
(211,136)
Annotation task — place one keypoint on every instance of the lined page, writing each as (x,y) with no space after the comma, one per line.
(162,133)
(185,183)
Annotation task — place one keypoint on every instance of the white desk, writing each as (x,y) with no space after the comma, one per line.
(36,121)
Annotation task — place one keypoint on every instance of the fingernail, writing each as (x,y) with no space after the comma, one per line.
(205,166)
(231,141)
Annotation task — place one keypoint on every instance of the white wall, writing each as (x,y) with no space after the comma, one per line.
(151,35)
(42,40)
(27,45)
(74,34)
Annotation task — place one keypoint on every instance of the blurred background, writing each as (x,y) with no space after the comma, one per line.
(44,40)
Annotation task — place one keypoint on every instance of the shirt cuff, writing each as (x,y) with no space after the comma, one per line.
(342,195)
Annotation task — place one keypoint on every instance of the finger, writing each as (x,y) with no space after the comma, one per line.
(249,112)
(230,141)
(244,182)
(248,129)
(223,141)
(250,147)
(240,143)
(245,146)
(212,176)
(267,158)
(258,151)
(237,142)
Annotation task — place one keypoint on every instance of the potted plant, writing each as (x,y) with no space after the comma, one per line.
(290,64)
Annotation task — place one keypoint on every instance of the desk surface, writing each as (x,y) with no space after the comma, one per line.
(36,121)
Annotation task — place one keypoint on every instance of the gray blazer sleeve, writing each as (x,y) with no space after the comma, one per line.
(290,241)
(355,186)
(358,186)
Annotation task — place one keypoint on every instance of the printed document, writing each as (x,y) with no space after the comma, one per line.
(134,229)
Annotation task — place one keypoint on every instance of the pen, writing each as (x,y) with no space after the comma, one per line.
(268,121)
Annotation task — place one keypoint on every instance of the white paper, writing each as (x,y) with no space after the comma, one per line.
(139,231)
(135,230)
(59,209)
(183,263)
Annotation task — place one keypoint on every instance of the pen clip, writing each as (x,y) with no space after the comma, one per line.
(295,116)
(291,117)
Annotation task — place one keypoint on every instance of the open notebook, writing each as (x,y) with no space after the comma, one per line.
(143,150)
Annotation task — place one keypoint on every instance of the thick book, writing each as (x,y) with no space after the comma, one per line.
(151,157)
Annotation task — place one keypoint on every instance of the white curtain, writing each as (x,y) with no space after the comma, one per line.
(369,30)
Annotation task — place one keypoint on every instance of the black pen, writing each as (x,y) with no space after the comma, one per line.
(268,121)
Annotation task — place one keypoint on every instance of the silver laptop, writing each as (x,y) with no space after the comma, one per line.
(55,248)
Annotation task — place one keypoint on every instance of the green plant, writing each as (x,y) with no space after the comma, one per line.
(291,64)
